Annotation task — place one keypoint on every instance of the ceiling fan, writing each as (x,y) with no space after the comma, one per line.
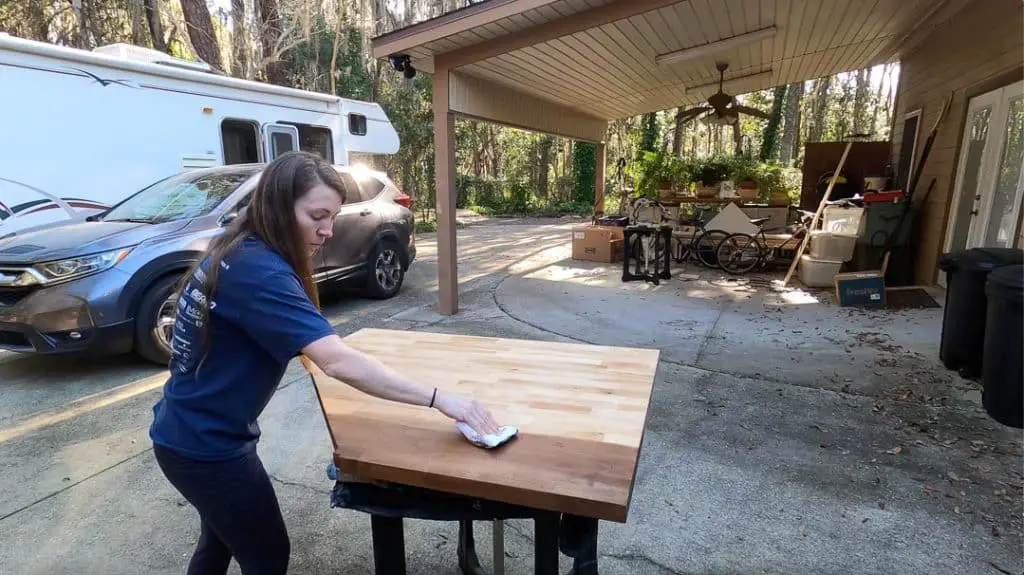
(722,104)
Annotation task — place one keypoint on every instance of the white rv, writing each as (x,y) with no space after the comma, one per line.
(83,130)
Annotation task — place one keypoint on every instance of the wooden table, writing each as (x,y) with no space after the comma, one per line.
(580,409)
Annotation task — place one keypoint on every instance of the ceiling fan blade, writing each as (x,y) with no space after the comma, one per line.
(752,112)
(687,115)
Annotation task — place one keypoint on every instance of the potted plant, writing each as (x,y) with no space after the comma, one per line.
(709,174)
(774,185)
(746,175)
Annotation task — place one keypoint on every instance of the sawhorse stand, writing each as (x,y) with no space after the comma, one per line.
(643,245)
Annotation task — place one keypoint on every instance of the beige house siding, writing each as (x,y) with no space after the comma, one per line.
(981,48)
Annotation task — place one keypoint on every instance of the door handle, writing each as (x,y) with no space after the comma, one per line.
(974,212)
(365,212)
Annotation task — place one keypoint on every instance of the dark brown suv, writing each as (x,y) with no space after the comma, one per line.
(105,284)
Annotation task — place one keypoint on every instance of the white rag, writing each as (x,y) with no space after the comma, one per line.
(488,441)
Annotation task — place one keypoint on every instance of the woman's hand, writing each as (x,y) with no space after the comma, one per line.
(468,411)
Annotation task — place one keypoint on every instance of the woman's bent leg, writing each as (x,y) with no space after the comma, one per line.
(211,555)
(239,510)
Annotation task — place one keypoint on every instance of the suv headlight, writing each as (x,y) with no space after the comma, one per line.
(72,268)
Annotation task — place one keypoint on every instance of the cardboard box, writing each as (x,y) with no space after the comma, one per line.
(597,243)
(860,288)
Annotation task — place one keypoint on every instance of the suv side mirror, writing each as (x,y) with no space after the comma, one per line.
(227,218)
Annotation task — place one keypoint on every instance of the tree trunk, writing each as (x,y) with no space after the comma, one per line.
(677,137)
(737,138)
(649,138)
(770,143)
(200,32)
(82,13)
(156,26)
(796,139)
(495,152)
(137,14)
(885,99)
(277,71)
(860,101)
(240,41)
(544,162)
(794,94)
(817,127)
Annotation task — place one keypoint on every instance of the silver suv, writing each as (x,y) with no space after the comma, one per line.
(105,284)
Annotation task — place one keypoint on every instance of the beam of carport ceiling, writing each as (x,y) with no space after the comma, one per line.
(600,57)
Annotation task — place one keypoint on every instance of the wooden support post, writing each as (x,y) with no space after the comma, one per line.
(444,167)
(599,181)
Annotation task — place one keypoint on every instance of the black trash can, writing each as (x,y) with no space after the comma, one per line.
(963,321)
(1002,374)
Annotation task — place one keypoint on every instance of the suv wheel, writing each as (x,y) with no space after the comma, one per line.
(154,322)
(385,274)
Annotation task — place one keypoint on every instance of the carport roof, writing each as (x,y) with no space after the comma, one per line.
(614,59)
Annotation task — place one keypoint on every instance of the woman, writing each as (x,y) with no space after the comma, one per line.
(244,311)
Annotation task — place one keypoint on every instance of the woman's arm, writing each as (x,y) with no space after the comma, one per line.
(370,376)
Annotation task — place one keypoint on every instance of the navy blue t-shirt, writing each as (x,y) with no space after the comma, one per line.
(260,318)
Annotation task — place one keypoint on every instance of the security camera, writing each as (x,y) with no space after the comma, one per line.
(402,63)
(399,62)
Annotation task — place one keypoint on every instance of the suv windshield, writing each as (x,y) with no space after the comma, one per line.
(187,195)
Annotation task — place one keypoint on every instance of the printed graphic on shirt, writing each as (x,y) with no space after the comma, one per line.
(189,336)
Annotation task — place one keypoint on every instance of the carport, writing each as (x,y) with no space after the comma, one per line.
(568,67)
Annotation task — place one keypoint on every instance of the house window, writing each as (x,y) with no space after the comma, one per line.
(241,141)
(908,148)
(357,124)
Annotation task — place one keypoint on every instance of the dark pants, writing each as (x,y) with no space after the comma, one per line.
(238,509)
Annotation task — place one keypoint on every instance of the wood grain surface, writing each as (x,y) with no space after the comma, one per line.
(580,410)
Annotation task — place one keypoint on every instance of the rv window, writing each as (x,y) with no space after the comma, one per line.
(357,124)
(282,143)
(241,142)
(315,139)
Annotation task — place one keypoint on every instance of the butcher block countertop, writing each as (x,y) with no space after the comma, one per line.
(580,410)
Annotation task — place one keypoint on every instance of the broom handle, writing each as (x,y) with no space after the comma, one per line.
(817,214)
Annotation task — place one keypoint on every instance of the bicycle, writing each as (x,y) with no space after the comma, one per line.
(703,244)
(738,253)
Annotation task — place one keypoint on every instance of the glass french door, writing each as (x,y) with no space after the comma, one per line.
(988,189)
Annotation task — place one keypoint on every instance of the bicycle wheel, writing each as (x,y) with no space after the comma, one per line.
(738,253)
(706,247)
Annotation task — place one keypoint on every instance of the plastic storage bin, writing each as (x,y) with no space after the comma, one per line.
(818,273)
(964,315)
(832,246)
(1002,372)
(843,220)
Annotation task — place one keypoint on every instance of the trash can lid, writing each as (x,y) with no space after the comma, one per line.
(981,259)
(1007,282)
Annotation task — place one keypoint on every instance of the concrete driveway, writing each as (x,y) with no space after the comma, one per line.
(786,435)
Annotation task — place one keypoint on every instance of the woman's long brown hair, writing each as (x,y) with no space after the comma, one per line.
(270,217)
